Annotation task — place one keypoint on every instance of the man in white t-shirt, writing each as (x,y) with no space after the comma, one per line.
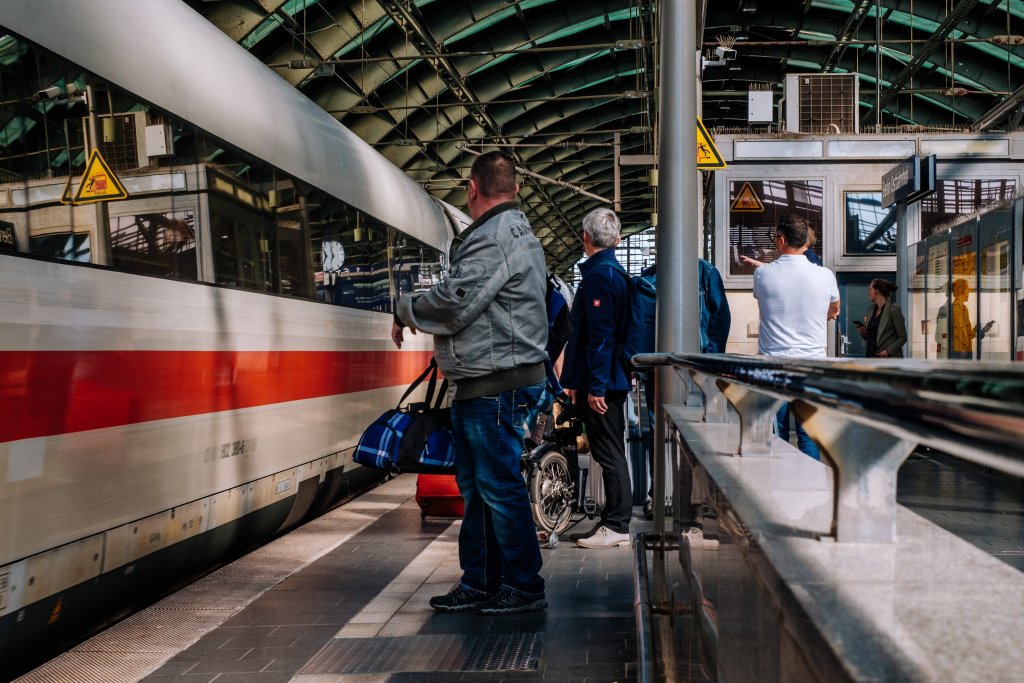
(796,299)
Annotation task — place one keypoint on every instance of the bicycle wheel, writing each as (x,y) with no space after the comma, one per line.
(552,492)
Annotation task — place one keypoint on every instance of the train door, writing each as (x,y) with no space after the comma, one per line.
(853,293)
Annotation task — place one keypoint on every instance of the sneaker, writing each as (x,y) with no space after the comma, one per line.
(509,601)
(604,538)
(462,599)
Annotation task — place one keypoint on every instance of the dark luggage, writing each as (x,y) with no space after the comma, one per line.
(438,496)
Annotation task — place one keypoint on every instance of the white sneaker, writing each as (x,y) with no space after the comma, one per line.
(604,538)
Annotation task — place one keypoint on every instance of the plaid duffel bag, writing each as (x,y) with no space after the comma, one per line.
(414,438)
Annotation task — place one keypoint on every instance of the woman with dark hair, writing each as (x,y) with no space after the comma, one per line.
(886,330)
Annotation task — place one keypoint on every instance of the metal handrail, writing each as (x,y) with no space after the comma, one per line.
(969,409)
(642,611)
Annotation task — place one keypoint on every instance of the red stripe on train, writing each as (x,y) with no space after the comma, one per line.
(43,393)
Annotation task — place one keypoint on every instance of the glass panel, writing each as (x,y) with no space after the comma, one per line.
(415,265)
(350,251)
(920,325)
(293,258)
(73,247)
(937,294)
(963,249)
(267,231)
(954,198)
(8,238)
(870,229)
(638,251)
(750,227)
(155,244)
(995,297)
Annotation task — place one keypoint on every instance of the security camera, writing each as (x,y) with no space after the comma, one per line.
(725,53)
(50,93)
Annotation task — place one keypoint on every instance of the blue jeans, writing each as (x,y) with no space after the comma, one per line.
(803,439)
(498,541)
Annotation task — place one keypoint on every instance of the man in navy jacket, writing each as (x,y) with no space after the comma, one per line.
(593,373)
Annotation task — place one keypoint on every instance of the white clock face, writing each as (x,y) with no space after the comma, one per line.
(333,255)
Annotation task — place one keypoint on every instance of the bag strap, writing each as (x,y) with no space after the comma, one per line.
(441,394)
(432,371)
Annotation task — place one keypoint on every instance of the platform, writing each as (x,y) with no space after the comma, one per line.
(344,598)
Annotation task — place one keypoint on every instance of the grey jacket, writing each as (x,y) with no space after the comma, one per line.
(488,315)
(892,330)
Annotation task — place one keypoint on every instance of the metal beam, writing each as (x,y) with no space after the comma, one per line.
(407,18)
(941,33)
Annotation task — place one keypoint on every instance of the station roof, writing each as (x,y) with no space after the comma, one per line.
(430,83)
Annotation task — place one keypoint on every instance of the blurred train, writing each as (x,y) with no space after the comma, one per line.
(195,321)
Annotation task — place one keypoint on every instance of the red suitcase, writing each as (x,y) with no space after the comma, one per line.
(438,496)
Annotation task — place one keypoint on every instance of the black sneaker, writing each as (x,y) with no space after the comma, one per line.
(512,602)
(462,599)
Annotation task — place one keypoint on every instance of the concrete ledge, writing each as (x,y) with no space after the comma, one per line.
(928,607)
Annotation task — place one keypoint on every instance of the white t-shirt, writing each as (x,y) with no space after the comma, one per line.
(793,296)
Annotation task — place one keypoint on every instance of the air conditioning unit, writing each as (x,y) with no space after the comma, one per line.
(122,140)
(822,103)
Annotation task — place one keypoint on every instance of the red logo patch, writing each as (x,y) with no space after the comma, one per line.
(597,303)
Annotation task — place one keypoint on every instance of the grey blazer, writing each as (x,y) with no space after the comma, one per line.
(892,330)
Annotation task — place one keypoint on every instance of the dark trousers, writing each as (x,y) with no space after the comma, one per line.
(606,434)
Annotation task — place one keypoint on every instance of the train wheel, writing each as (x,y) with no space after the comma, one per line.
(552,493)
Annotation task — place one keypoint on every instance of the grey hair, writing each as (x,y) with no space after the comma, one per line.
(603,227)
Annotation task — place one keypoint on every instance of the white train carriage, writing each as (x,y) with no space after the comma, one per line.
(183,371)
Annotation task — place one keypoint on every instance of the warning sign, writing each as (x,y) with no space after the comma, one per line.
(747,200)
(99,184)
(708,155)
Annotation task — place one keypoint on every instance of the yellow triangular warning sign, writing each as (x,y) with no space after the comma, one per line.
(708,155)
(99,184)
(747,200)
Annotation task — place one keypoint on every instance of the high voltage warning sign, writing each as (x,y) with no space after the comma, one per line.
(708,155)
(747,200)
(99,183)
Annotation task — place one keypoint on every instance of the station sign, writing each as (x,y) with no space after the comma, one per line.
(910,180)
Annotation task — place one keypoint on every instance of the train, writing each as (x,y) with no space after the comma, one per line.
(198,266)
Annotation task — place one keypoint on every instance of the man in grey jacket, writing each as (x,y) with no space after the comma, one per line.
(489,322)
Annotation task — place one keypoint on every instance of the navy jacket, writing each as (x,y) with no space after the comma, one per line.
(593,361)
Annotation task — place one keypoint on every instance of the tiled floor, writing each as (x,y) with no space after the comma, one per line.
(369,582)
(375,586)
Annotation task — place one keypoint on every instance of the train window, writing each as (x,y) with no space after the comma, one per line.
(66,246)
(755,207)
(243,247)
(188,193)
(350,251)
(8,238)
(869,229)
(293,261)
(416,266)
(155,244)
(954,198)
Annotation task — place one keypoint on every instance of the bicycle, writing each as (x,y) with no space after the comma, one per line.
(554,477)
